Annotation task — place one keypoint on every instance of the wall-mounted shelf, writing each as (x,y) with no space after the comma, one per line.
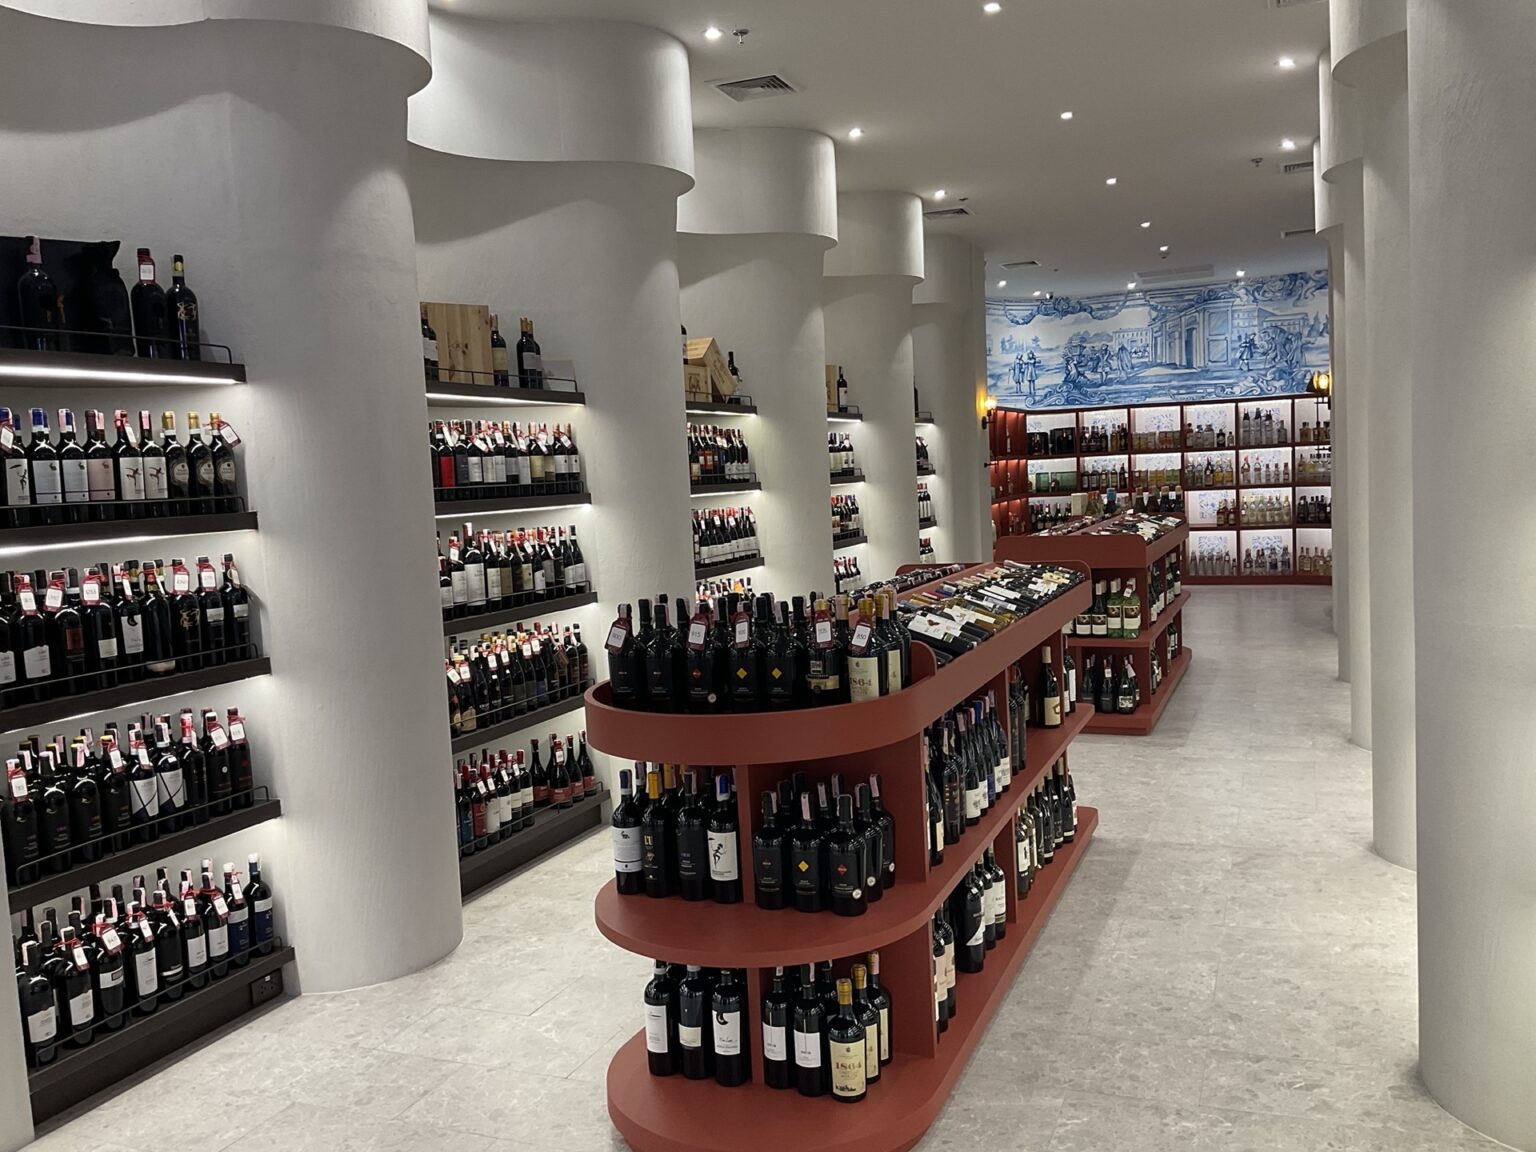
(553,829)
(97,370)
(721,408)
(710,571)
(127,531)
(479,622)
(534,718)
(854,477)
(454,509)
(724,487)
(441,394)
(849,540)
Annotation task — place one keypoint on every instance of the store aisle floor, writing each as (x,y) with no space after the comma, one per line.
(1231,968)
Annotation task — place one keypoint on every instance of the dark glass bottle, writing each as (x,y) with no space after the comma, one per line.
(770,859)
(807,860)
(240,761)
(809,1028)
(530,362)
(259,898)
(46,476)
(142,967)
(707,656)
(200,468)
(661,1046)
(213,910)
(74,479)
(108,964)
(846,1049)
(628,877)
(85,822)
(40,314)
(626,662)
(69,971)
(693,842)
(658,831)
(226,486)
(151,316)
(665,664)
(846,863)
(181,307)
(19,820)
(39,1008)
(724,841)
(694,1025)
(237,612)
(729,1031)
(53,815)
(966,913)
(880,1000)
(867,1015)
(238,921)
(777,1007)
(99,623)
(500,370)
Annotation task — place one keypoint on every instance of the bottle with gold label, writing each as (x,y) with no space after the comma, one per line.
(847,1049)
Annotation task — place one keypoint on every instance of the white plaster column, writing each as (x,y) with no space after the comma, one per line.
(752,236)
(1370,54)
(946,353)
(1472,176)
(1329,225)
(869,280)
(15,1101)
(266,142)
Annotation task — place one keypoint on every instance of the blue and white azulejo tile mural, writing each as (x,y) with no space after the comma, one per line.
(1242,338)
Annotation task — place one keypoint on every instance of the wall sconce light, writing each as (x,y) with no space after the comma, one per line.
(987,409)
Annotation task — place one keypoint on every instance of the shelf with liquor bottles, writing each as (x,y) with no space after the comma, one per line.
(1138,600)
(925,548)
(965,722)
(847,522)
(724,542)
(121,981)
(489,466)
(842,466)
(490,578)
(719,461)
(925,514)
(924,461)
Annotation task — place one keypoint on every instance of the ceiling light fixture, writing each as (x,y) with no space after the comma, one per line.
(855,133)
(1287,145)
(992,7)
(1037,291)
(1002,283)
(939,193)
(1146,223)
(1066,115)
(1162,248)
(1130,284)
(713,33)
(1286,62)
(1241,273)
(1112,181)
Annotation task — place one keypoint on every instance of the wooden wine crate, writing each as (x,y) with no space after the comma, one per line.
(696,383)
(704,352)
(832,371)
(463,342)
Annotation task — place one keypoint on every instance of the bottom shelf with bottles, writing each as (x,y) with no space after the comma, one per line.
(553,829)
(1145,718)
(674,1114)
(76,1074)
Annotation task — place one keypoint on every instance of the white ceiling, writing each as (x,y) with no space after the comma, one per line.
(1173,98)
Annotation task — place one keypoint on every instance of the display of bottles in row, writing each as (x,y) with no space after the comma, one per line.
(1314,510)
(1110,685)
(1263,471)
(1260,429)
(847,520)
(1210,472)
(149,321)
(500,794)
(823,1036)
(718,456)
(1047,821)
(74,801)
(1156,440)
(1319,433)
(749,655)
(1264,560)
(676,833)
(70,630)
(840,456)
(968,610)
(1168,473)
(1043,514)
(72,481)
(924,461)
(970,761)
(1115,614)
(530,360)
(846,573)
(1102,475)
(832,850)
(1049,442)
(490,571)
(115,960)
(1105,437)
(1314,467)
(1208,438)
(910,579)
(484,459)
(713,590)
(925,548)
(924,502)
(505,674)
(724,536)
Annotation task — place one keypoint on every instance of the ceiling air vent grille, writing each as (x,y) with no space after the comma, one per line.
(1294,233)
(1175,275)
(1297,167)
(755,88)
(1022,264)
(1291,3)
(942,213)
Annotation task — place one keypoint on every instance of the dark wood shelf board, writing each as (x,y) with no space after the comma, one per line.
(28,717)
(1142,721)
(854,478)
(477,623)
(102,531)
(552,830)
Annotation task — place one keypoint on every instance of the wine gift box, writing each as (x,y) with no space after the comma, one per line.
(463,342)
(704,352)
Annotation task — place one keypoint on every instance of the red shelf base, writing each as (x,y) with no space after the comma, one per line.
(1144,719)
(671,1114)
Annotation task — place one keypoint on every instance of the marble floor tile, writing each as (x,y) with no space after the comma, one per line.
(310,1128)
(1093,1123)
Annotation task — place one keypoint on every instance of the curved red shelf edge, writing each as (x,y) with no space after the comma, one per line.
(746,936)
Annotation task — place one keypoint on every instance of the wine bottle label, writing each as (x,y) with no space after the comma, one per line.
(263,907)
(197,952)
(973,803)
(172,789)
(130,477)
(775,1042)
(949,966)
(848,1077)
(722,857)
(428,348)
(7,667)
(656,1028)
(36,663)
(239,914)
(447,594)
(863,678)
(885,1034)
(157,484)
(727,1033)
(218,941)
(807,1049)
(474,583)
(499,360)
(47,486)
(690,1036)
(133,634)
(146,977)
(938,832)
(82,1009)
(1052,705)
(626,850)
(146,796)
(18,482)
(872,1053)
(43,1025)
(77,484)
(111,978)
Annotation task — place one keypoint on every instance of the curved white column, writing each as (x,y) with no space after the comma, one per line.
(947,355)
(1329,225)
(752,235)
(869,280)
(1378,69)
(545,177)
(293,137)
(1473,179)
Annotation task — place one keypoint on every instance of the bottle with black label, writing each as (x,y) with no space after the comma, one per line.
(846,863)
(846,1049)
(694,1020)
(998,893)
(867,1015)
(1050,692)
(181,308)
(143,968)
(429,354)
(626,661)
(530,361)
(770,857)
(693,881)
(808,860)
(68,969)
(809,1034)
(967,914)
(658,847)
(19,820)
(723,843)
(729,1031)
(501,375)
(109,965)
(41,316)
(662,1053)
(665,664)
(880,999)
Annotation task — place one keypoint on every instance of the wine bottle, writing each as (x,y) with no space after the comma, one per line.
(658,831)
(501,375)
(238,920)
(259,898)
(46,474)
(867,1015)
(142,966)
(693,861)
(694,1025)
(880,999)
(39,1008)
(777,1008)
(628,876)
(846,863)
(530,361)
(662,1052)
(40,316)
(846,1049)
(770,858)
(808,860)
(809,1025)
(19,818)
(728,1031)
(150,314)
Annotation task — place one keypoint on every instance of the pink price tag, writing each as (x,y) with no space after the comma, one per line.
(237,730)
(145,930)
(110,940)
(220,906)
(206,578)
(90,592)
(228,434)
(53,599)
(743,632)
(19,787)
(82,961)
(181,580)
(7,437)
(696,632)
(217,735)
(27,599)
(860,639)
(115,758)
(823,632)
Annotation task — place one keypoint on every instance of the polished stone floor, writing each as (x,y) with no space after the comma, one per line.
(1232,968)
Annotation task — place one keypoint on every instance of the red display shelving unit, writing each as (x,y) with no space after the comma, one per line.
(1124,556)
(1009,470)
(673,1114)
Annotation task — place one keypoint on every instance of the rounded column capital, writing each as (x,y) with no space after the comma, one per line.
(879,234)
(761,181)
(1340,152)
(1369,39)
(556,93)
(402,23)
(950,272)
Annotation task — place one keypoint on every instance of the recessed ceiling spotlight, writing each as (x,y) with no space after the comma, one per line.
(1241,273)
(1002,283)
(1112,181)
(1286,62)
(713,33)
(939,193)
(1162,247)
(992,7)
(855,133)
(1129,285)
(1066,115)
(1146,223)
(1287,145)
(1037,291)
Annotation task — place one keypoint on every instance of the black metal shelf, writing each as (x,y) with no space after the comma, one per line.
(930,522)
(78,1073)
(461,624)
(30,716)
(552,830)
(441,394)
(99,530)
(923,418)
(928,471)
(852,412)
(721,408)
(710,571)
(139,857)
(98,369)
(480,737)
(724,487)
(856,477)
(494,504)
(848,540)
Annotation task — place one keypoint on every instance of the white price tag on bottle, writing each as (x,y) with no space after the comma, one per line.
(696,632)
(228,434)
